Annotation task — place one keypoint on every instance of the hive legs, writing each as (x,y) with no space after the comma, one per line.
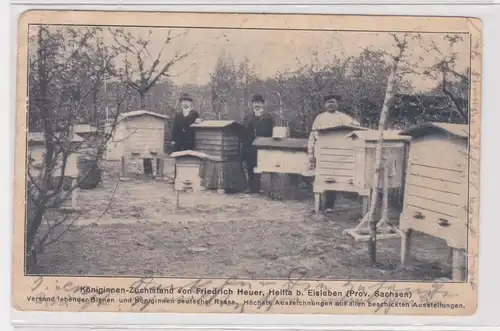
(317,204)
(74,194)
(124,171)
(160,165)
(459,265)
(405,245)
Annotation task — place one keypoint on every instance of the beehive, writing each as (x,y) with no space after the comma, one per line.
(36,151)
(283,161)
(436,194)
(142,134)
(218,138)
(221,141)
(138,135)
(36,155)
(335,159)
(394,150)
(188,165)
(286,155)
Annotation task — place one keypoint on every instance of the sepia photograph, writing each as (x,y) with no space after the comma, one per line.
(252,152)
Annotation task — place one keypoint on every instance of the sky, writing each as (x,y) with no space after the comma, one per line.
(272,51)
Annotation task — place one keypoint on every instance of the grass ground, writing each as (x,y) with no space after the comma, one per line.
(133,229)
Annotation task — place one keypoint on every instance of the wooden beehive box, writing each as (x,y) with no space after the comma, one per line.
(283,161)
(335,159)
(188,166)
(394,150)
(36,152)
(138,134)
(218,138)
(436,187)
(93,139)
(281,155)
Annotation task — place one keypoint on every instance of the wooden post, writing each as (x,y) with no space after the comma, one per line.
(161,167)
(385,197)
(74,194)
(405,245)
(124,172)
(450,255)
(365,203)
(317,203)
(459,265)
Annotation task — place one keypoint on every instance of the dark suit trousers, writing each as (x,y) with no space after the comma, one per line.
(253,178)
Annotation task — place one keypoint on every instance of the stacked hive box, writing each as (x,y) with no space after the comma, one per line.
(220,140)
(394,153)
(70,173)
(436,188)
(188,168)
(284,161)
(334,162)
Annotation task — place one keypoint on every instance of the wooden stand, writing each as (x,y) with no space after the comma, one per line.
(187,186)
(158,172)
(458,257)
(384,229)
(282,186)
(73,196)
(123,168)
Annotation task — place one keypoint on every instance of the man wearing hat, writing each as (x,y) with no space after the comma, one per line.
(182,134)
(256,124)
(330,117)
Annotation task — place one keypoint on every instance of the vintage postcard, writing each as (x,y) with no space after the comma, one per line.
(247,163)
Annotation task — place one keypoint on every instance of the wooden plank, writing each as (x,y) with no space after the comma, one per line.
(231,144)
(209,142)
(455,232)
(436,184)
(337,165)
(440,196)
(434,206)
(336,158)
(336,151)
(340,172)
(450,175)
(209,134)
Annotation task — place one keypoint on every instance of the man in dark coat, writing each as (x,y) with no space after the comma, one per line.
(257,124)
(183,136)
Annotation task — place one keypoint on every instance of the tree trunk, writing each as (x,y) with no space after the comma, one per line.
(142,98)
(372,243)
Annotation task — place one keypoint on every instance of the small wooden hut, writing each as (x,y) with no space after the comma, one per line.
(284,161)
(436,189)
(221,141)
(138,135)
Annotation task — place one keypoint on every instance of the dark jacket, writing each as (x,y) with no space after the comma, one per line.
(182,134)
(254,127)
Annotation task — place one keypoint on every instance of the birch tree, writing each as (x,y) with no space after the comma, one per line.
(401,44)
